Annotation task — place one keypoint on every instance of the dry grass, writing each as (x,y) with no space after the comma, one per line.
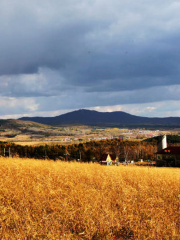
(56,200)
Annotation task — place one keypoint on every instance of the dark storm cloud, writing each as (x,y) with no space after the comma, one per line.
(22,53)
(81,50)
(130,67)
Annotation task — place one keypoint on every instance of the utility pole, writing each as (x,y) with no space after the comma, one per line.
(7,151)
(80,155)
(45,154)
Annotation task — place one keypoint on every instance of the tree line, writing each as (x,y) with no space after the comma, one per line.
(86,152)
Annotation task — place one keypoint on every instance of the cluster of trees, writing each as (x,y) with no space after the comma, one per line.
(86,152)
(171,140)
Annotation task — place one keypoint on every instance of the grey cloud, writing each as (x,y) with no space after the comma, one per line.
(76,100)
(45,83)
(89,53)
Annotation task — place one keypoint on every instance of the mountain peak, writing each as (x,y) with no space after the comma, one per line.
(92,117)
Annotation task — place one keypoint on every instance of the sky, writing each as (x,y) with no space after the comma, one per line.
(120,55)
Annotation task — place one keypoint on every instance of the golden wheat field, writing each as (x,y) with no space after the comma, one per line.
(60,200)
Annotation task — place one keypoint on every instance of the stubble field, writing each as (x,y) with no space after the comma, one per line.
(60,200)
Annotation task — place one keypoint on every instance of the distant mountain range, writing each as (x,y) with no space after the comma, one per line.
(94,118)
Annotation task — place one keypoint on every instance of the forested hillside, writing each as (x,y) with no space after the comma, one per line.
(171,139)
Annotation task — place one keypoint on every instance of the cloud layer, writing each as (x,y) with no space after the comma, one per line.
(58,55)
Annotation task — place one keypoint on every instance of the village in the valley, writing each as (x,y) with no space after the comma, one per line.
(76,142)
(39,134)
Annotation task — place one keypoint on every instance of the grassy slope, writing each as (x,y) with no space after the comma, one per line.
(57,200)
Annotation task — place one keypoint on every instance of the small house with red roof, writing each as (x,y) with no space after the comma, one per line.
(169,156)
(108,159)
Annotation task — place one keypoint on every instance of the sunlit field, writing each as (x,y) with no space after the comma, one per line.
(59,200)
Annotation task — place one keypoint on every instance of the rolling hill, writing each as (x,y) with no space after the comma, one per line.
(91,117)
